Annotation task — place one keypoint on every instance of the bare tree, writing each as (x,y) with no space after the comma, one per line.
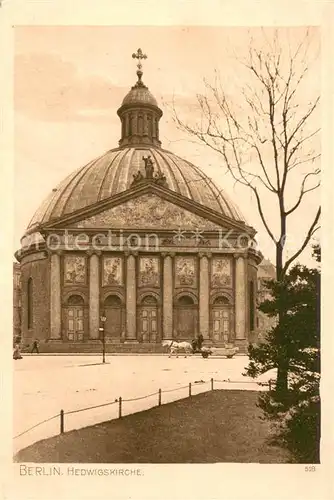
(266,135)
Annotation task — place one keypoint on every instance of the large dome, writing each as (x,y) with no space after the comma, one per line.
(113,173)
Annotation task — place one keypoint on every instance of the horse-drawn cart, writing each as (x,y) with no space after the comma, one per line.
(228,350)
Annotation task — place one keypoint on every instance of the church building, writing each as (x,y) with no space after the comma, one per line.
(140,244)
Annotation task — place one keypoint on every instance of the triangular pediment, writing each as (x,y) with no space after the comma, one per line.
(148,211)
(147,207)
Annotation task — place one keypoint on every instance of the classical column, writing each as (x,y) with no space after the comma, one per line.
(240,297)
(131,300)
(204,295)
(94,296)
(134,123)
(145,124)
(154,131)
(127,118)
(167,308)
(55,297)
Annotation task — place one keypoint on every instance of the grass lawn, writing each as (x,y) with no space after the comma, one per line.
(218,426)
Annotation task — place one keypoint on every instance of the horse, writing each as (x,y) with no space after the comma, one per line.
(176,347)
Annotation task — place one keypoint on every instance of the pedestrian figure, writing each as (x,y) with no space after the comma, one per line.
(35,347)
(200,340)
(17,353)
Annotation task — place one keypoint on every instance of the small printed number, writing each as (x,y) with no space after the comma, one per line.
(310,468)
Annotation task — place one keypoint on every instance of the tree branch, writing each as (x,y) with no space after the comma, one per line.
(303,192)
(309,235)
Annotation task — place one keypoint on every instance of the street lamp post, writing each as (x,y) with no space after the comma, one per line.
(103,320)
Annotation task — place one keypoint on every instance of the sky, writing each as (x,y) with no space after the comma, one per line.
(69,82)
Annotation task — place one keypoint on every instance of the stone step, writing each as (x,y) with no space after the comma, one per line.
(121,347)
(97,348)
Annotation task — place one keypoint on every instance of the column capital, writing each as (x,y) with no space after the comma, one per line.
(242,255)
(208,255)
(167,254)
(130,253)
(55,252)
(91,252)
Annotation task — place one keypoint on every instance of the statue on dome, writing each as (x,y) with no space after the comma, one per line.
(157,177)
(149,167)
(160,179)
(138,177)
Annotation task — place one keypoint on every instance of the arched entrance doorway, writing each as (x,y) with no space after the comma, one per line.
(185,318)
(113,312)
(148,319)
(221,319)
(74,314)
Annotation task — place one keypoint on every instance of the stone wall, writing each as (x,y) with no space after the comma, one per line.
(38,270)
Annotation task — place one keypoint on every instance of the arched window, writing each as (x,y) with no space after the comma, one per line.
(251,306)
(112,301)
(30,307)
(149,300)
(185,300)
(75,300)
(220,301)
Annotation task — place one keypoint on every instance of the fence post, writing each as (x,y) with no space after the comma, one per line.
(120,407)
(190,389)
(159,403)
(61,421)
(269,383)
(212,384)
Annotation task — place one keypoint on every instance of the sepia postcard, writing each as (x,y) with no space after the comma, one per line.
(166,242)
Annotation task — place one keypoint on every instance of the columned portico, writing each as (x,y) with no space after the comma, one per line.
(204,295)
(55,297)
(167,296)
(240,297)
(94,296)
(131,299)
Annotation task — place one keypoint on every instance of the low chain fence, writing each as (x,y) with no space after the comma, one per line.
(121,401)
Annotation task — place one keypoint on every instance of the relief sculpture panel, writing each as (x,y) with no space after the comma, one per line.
(75,269)
(112,271)
(149,271)
(185,271)
(221,272)
(148,211)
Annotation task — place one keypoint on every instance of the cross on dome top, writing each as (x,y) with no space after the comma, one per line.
(139,55)
(139,112)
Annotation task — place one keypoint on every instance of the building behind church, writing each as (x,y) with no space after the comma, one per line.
(144,239)
(266,272)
